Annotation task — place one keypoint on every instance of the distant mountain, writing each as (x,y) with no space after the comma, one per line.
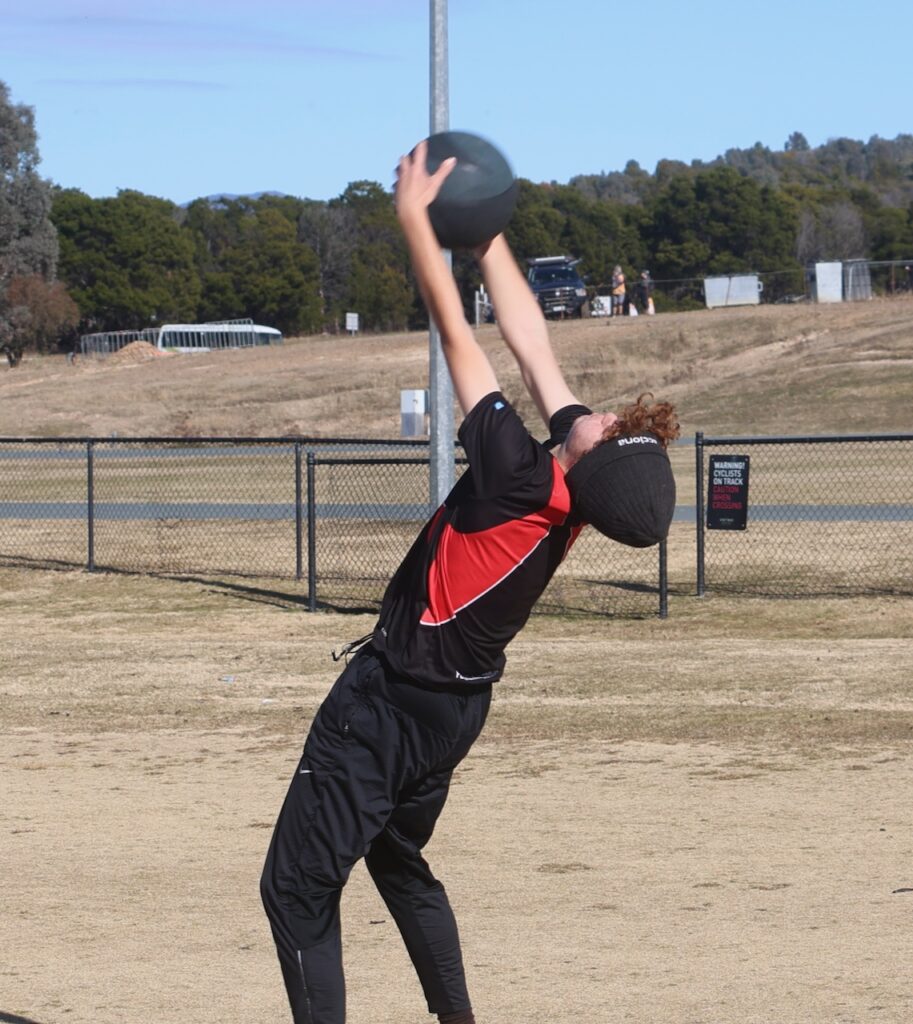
(218,198)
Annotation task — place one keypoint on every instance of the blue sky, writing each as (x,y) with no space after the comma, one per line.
(184,99)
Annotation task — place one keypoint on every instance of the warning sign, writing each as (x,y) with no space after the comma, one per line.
(727,501)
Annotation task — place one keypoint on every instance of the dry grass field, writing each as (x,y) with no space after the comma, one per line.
(765,370)
(702,820)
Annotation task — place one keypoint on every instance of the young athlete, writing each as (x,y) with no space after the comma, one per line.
(381,751)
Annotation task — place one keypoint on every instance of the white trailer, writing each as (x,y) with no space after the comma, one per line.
(733,290)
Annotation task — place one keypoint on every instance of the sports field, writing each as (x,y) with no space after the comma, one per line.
(699,820)
(702,820)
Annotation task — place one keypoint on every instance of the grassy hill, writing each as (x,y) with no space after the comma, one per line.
(756,370)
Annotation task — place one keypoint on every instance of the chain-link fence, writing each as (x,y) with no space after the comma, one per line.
(337,515)
(824,515)
(805,516)
(855,281)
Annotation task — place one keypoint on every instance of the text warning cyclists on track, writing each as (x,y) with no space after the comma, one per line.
(727,500)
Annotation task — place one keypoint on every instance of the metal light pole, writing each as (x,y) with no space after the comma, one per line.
(440,384)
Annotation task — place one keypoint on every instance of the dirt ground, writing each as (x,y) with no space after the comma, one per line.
(703,820)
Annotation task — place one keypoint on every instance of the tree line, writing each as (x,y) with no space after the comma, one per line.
(72,264)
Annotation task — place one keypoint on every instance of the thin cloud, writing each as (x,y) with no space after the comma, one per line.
(173,35)
(101,21)
(138,83)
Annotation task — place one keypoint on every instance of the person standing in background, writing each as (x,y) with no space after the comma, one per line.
(618,292)
(645,292)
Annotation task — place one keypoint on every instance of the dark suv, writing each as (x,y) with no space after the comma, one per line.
(557,285)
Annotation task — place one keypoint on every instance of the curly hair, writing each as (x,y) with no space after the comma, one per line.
(646,417)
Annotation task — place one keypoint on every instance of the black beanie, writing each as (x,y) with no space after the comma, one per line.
(625,488)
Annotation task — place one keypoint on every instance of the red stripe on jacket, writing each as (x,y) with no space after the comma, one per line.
(468,565)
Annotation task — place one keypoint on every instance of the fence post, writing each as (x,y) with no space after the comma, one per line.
(90,503)
(699,507)
(663,581)
(297,510)
(312,534)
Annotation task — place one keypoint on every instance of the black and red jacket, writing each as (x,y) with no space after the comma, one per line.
(470,580)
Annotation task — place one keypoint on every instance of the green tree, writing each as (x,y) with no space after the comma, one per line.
(631,186)
(331,230)
(126,260)
(721,222)
(215,226)
(380,288)
(536,226)
(274,277)
(601,233)
(251,262)
(215,229)
(889,234)
(679,250)
(28,241)
(381,294)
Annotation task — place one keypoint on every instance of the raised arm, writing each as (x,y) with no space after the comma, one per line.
(523,328)
(472,374)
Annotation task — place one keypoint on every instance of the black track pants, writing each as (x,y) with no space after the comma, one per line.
(371,783)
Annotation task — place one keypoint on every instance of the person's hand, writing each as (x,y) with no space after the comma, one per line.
(416,189)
